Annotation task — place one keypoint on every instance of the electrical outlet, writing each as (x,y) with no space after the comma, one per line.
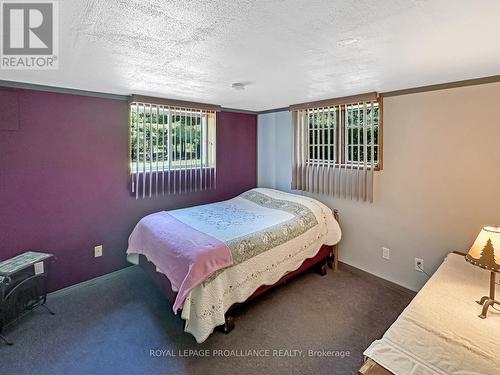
(419,265)
(98,251)
(386,253)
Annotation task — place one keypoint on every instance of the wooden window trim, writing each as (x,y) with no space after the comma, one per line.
(369,97)
(172,103)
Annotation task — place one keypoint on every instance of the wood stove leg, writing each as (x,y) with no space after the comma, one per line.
(228,325)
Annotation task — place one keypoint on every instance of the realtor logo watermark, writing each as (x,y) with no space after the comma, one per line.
(29,37)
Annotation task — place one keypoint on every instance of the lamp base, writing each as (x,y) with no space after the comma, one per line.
(486,302)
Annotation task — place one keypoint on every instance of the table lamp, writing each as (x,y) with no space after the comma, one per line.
(485,253)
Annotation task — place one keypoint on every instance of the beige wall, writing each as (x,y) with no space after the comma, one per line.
(439,186)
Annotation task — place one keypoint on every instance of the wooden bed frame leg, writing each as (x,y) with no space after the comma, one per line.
(228,325)
(333,259)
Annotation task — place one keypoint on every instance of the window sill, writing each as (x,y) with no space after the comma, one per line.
(173,170)
(344,166)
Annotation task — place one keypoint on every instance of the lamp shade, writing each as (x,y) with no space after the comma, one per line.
(485,252)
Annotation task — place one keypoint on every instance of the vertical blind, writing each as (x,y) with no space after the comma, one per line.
(337,147)
(172,146)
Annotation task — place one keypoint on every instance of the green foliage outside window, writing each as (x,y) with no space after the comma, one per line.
(149,140)
(325,128)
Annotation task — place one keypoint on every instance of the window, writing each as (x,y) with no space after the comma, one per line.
(357,132)
(172,148)
(337,146)
(162,140)
(329,128)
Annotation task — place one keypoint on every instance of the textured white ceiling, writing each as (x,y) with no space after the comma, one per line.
(288,51)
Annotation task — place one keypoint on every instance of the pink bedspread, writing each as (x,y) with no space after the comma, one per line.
(185,255)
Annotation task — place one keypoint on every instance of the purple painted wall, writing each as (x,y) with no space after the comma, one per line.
(64,186)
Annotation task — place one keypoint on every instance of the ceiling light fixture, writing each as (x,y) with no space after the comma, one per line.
(238,86)
(347,42)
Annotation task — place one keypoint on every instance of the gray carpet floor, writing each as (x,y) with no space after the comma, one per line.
(111,325)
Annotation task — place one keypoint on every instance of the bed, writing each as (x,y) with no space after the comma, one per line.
(208,259)
(439,332)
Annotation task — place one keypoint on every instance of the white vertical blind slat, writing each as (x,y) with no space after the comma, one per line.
(194,121)
(184,147)
(318,150)
(359,159)
(174,151)
(297,151)
(131,146)
(338,149)
(324,120)
(150,153)
(301,145)
(336,128)
(169,147)
(135,164)
(294,154)
(155,151)
(191,166)
(331,149)
(365,152)
(351,175)
(163,152)
(317,170)
(203,151)
(143,152)
(186,155)
(214,150)
(346,119)
(310,164)
(307,140)
(209,156)
(329,155)
(315,150)
(310,150)
(198,153)
(372,148)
